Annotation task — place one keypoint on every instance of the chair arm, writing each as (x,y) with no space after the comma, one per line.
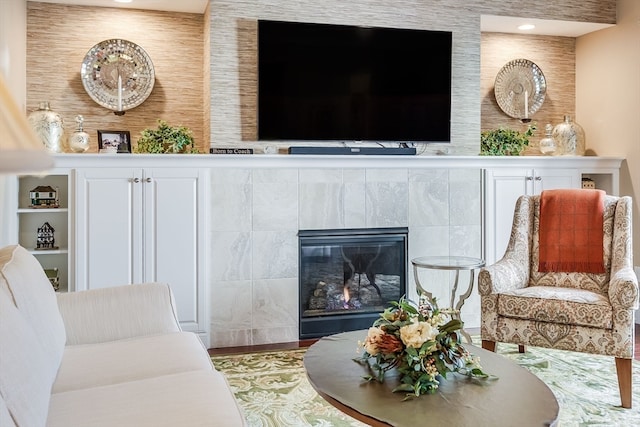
(108,314)
(504,275)
(623,289)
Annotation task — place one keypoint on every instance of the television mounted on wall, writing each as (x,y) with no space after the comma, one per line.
(322,82)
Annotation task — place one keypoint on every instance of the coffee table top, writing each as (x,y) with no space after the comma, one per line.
(516,398)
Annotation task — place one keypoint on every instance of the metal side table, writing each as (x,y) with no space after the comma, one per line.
(454,263)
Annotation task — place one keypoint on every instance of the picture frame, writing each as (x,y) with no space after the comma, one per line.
(114,141)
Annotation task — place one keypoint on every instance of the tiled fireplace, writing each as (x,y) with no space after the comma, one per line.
(256,214)
(348,276)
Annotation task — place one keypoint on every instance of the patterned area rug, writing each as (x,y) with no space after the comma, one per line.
(273,390)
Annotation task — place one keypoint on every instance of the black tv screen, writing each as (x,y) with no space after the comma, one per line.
(319,82)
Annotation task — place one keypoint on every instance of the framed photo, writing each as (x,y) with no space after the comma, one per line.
(114,141)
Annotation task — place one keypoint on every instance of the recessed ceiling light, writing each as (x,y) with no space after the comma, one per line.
(525,27)
(123,1)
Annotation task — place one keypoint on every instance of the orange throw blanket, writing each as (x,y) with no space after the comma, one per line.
(571,231)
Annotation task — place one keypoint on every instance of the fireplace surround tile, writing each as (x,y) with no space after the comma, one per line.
(275,254)
(231,256)
(321,205)
(263,209)
(275,303)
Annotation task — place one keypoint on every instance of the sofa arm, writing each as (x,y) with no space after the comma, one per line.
(623,289)
(102,315)
(504,275)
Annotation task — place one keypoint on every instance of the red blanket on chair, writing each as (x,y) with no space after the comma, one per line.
(571,231)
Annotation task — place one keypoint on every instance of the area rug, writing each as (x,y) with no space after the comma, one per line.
(273,390)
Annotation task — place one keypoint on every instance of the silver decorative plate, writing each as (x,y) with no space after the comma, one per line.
(117,74)
(513,80)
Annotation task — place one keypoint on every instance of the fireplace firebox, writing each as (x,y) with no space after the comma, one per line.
(348,277)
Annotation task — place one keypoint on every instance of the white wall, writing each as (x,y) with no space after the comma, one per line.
(608,99)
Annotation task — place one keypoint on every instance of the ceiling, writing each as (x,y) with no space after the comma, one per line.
(488,23)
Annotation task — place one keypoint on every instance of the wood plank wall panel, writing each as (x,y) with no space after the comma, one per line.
(556,58)
(59,36)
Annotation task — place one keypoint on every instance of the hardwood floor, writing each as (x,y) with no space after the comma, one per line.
(307,343)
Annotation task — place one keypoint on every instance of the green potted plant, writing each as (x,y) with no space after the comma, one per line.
(166,139)
(504,142)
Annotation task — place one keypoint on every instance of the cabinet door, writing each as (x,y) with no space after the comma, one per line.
(108,227)
(502,189)
(175,236)
(552,179)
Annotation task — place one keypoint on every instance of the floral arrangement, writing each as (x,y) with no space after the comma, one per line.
(421,342)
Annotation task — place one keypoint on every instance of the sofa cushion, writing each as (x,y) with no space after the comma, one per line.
(558,305)
(92,365)
(5,416)
(25,367)
(34,296)
(195,398)
(108,314)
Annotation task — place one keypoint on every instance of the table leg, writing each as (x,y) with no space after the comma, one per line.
(421,290)
(462,299)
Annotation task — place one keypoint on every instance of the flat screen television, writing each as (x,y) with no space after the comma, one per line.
(320,82)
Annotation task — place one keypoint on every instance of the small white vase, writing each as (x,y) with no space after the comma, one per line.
(48,127)
(79,140)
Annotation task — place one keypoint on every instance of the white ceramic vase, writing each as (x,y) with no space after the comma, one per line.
(48,127)
(569,138)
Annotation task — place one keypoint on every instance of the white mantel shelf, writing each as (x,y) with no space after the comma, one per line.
(330,161)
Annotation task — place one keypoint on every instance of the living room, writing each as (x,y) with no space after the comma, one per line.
(226,236)
(201,61)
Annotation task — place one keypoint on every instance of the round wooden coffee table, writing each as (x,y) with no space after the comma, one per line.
(516,398)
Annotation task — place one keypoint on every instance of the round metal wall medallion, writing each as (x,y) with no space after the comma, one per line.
(117,74)
(515,79)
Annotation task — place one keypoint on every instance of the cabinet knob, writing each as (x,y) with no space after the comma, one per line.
(538,178)
(529,178)
(136,180)
(148,180)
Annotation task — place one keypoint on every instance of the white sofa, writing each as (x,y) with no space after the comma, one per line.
(108,357)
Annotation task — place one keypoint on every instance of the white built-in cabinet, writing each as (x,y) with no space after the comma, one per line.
(503,186)
(139,225)
(126,219)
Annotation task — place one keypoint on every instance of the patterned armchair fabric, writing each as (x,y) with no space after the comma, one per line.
(585,312)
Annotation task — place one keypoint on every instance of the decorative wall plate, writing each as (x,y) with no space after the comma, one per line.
(513,80)
(118,74)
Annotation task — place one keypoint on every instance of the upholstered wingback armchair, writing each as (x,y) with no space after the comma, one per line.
(583,312)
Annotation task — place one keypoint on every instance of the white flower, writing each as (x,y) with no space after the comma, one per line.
(417,333)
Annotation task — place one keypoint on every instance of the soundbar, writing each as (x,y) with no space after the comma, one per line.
(369,151)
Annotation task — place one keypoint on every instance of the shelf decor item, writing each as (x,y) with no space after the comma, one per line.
(166,139)
(504,142)
(118,75)
(79,140)
(569,138)
(53,276)
(114,141)
(44,197)
(548,144)
(520,88)
(45,239)
(48,127)
(422,342)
